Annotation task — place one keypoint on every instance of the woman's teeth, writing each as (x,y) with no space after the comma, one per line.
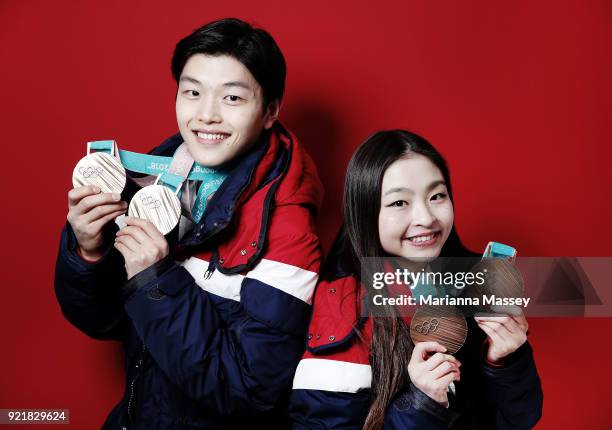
(209,136)
(419,239)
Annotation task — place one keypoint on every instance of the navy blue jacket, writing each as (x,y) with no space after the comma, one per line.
(214,332)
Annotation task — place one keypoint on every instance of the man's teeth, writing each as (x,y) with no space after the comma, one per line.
(422,238)
(209,136)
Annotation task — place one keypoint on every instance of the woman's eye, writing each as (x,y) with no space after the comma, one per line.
(398,203)
(438,196)
(232,98)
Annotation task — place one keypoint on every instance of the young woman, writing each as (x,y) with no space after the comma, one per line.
(361,371)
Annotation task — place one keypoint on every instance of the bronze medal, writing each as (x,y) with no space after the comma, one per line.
(501,277)
(102,170)
(158,204)
(443,324)
(502,280)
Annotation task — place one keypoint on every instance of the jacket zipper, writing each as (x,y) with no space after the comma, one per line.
(132,384)
(211,269)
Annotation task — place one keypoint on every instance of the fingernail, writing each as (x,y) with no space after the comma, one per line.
(96,189)
(116,197)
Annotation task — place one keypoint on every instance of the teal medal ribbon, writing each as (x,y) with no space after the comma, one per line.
(493,250)
(427,290)
(160,203)
(170,175)
(499,250)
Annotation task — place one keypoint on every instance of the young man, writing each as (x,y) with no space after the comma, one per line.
(213,326)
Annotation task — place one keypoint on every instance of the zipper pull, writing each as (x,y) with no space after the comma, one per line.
(211,268)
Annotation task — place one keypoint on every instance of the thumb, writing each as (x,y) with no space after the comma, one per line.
(423,349)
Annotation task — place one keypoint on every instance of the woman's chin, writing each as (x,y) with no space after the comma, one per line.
(421,255)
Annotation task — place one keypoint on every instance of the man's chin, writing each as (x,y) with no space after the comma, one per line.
(206,158)
(208,162)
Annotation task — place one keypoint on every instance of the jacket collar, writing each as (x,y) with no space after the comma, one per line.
(277,169)
(337,311)
(335,314)
(247,170)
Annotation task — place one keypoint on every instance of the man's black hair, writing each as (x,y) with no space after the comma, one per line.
(253,47)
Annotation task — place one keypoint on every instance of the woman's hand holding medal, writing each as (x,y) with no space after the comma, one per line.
(506,326)
(505,333)
(432,374)
(89,210)
(141,245)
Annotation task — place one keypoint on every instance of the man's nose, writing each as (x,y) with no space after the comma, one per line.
(209,111)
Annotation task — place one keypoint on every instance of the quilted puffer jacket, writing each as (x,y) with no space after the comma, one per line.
(214,332)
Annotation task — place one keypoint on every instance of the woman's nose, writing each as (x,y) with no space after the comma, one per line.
(422,215)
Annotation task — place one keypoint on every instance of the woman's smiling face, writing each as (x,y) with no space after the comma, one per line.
(416,214)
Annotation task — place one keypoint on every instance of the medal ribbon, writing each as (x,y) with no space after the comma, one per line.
(174,171)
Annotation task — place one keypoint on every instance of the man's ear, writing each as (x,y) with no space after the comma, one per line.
(271,113)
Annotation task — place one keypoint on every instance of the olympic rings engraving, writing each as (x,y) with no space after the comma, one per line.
(427,326)
(150,201)
(90,172)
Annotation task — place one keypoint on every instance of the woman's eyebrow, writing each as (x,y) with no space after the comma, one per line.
(398,190)
(434,184)
(430,187)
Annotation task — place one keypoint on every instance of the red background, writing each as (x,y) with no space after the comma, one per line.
(517,96)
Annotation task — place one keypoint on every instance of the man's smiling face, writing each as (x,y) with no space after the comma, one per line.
(220,108)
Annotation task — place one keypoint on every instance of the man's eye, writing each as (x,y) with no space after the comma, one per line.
(192,93)
(232,98)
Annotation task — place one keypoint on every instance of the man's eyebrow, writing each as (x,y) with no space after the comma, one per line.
(189,79)
(238,84)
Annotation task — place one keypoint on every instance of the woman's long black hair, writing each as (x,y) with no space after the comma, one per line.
(359,237)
